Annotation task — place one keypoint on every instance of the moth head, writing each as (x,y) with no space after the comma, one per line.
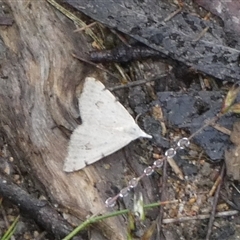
(136,132)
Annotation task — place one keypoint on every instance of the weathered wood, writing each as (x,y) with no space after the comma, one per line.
(39,210)
(180,37)
(39,85)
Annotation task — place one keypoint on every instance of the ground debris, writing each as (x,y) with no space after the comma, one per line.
(175,38)
(232,155)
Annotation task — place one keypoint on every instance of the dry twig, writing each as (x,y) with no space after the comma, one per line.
(210,224)
(39,210)
(200,217)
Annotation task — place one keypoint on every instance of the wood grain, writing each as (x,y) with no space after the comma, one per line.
(39,85)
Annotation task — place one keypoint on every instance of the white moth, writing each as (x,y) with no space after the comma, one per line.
(106,127)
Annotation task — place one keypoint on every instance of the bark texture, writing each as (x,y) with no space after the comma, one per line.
(39,85)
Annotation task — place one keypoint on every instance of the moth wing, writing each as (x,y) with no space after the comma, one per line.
(89,144)
(106,127)
(98,105)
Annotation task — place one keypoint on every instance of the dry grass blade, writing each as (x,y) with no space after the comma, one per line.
(221,129)
(82,25)
(77,21)
(9,233)
(175,168)
(230,98)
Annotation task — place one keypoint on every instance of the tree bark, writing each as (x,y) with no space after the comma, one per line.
(39,86)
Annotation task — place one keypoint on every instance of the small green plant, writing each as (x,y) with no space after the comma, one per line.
(9,233)
(95,219)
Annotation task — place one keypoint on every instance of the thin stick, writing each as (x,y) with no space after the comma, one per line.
(175,168)
(76,20)
(212,121)
(221,129)
(85,27)
(201,34)
(136,83)
(200,217)
(173,14)
(215,185)
(230,203)
(95,65)
(164,182)
(235,187)
(120,37)
(212,217)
